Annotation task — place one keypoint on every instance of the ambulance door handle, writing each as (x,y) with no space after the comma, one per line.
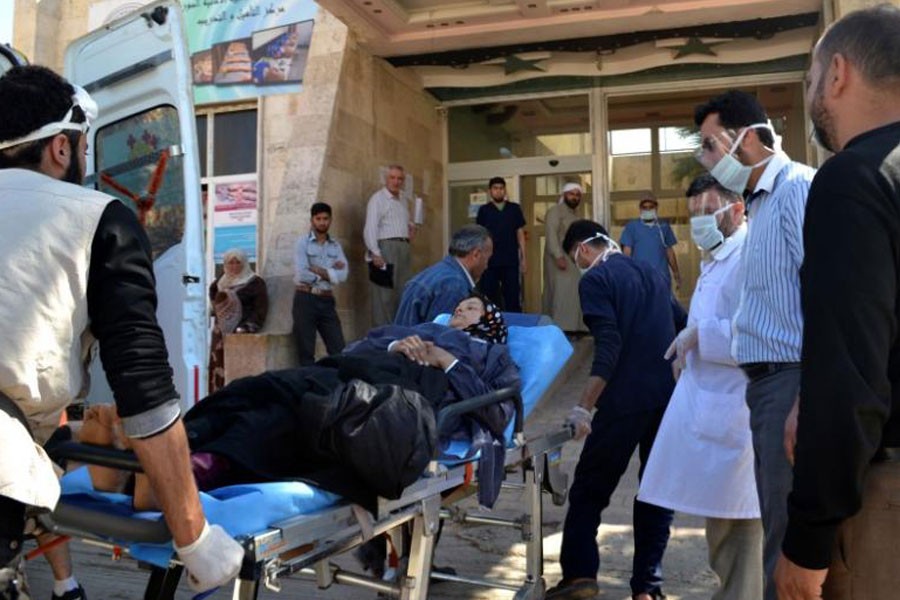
(188,279)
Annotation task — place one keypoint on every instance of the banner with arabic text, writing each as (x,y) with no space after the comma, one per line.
(246,48)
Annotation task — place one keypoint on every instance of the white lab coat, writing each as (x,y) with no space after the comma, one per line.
(702,459)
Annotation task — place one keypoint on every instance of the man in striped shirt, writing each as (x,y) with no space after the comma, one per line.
(387,233)
(738,146)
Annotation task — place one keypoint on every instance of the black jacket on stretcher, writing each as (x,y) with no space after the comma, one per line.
(360,425)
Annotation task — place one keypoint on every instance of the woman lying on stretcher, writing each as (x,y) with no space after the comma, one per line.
(359,424)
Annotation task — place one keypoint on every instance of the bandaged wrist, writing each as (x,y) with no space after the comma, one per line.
(192,547)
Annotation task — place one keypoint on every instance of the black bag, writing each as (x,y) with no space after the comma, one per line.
(382,277)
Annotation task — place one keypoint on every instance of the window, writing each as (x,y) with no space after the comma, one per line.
(137,162)
(228,170)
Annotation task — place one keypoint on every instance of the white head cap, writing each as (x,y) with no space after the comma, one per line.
(569,187)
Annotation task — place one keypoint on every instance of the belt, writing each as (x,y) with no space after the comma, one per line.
(396,239)
(308,289)
(758,370)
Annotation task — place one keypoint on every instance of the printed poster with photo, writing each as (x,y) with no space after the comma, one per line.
(235,217)
(246,48)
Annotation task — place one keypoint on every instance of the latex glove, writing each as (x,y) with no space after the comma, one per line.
(683,343)
(212,560)
(579,419)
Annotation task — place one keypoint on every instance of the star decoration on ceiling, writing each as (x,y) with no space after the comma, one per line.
(695,45)
(514,64)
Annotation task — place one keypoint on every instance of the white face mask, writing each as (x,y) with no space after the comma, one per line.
(705,230)
(648,215)
(730,172)
(611,248)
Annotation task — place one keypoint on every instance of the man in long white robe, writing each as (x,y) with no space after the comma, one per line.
(560,298)
(702,460)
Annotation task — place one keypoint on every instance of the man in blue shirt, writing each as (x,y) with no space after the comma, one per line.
(632,317)
(320,265)
(440,287)
(506,223)
(652,241)
(738,146)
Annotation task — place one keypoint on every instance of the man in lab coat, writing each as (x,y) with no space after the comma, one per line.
(702,460)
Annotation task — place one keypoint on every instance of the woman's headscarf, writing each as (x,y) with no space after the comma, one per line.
(227,281)
(490,327)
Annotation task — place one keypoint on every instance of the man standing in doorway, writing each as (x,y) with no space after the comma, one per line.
(844,522)
(320,265)
(738,146)
(560,298)
(387,234)
(652,241)
(506,223)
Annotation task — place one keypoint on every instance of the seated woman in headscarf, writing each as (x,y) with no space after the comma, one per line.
(289,424)
(240,304)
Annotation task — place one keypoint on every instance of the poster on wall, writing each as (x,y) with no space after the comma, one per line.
(246,48)
(239,49)
(235,217)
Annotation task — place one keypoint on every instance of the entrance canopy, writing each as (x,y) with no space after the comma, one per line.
(465,48)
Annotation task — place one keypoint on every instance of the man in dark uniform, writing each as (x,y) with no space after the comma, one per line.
(506,223)
(843,521)
(632,316)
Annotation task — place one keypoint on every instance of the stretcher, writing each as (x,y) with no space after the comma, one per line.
(291,527)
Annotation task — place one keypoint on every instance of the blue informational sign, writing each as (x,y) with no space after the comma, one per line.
(227,238)
(246,48)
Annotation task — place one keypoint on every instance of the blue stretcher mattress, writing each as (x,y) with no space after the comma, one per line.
(540,352)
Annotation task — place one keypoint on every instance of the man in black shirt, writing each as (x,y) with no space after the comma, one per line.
(843,521)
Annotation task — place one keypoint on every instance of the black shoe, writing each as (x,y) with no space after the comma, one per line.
(76,594)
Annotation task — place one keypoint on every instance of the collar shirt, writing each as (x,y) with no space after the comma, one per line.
(310,253)
(769,323)
(387,216)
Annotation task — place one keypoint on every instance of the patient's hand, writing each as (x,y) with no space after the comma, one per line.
(414,348)
(438,357)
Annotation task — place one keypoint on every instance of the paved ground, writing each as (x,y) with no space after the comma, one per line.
(474,550)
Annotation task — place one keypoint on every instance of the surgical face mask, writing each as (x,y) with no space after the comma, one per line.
(730,172)
(705,230)
(611,248)
(81,99)
(648,215)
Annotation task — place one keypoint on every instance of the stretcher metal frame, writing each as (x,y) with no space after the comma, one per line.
(307,544)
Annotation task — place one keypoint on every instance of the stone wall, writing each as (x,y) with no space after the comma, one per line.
(42,30)
(382,117)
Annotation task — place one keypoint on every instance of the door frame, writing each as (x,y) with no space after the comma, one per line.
(597,162)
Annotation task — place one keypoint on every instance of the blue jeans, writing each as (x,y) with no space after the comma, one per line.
(607,451)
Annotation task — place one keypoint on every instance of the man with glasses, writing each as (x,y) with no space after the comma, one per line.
(738,147)
(75,266)
(632,317)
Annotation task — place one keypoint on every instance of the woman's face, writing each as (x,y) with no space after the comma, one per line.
(468,312)
(233,266)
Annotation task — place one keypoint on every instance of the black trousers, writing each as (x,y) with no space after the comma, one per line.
(501,285)
(315,314)
(604,458)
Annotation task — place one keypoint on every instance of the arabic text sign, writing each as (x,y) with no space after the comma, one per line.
(246,48)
